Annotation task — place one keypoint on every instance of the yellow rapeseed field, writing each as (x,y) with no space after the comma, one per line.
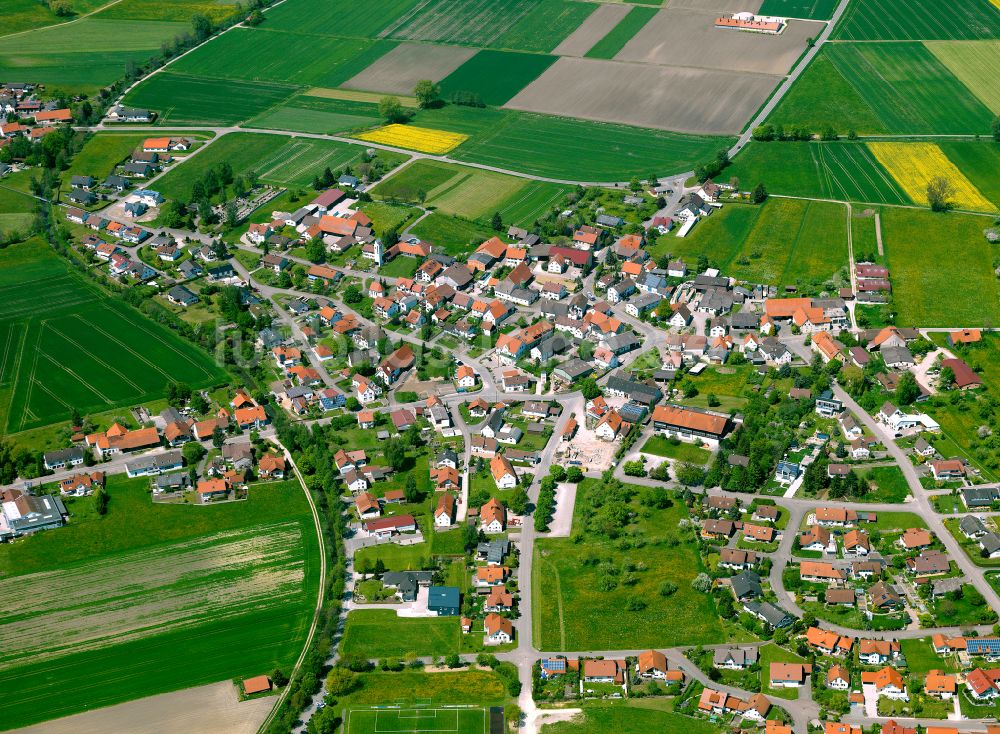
(913,165)
(423,139)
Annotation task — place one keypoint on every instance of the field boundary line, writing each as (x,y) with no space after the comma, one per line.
(320,593)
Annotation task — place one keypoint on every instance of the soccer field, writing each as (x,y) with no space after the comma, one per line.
(456,720)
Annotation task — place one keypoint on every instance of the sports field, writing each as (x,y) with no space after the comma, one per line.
(928,255)
(153,598)
(867,20)
(783,242)
(65,345)
(471,192)
(471,720)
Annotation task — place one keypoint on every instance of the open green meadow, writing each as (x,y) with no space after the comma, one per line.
(66,345)
(277,159)
(926,20)
(25,15)
(635,715)
(455,236)
(622,33)
(154,598)
(783,242)
(496,76)
(82,56)
(16,210)
(377,633)
(520,25)
(812,9)
(102,152)
(881,88)
(471,193)
(928,254)
(568,576)
(465,720)
(183,99)
(974,63)
(845,171)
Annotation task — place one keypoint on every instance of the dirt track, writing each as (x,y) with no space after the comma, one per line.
(592,30)
(399,70)
(211,709)
(682,37)
(668,98)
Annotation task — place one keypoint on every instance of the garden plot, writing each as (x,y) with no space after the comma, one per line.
(666,98)
(399,70)
(592,30)
(681,37)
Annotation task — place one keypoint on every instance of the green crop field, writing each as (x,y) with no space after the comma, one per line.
(378,633)
(83,56)
(975,64)
(979,161)
(255,54)
(520,25)
(176,10)
(183,99)
(471,193)
(881,88)
(784,242)
(496,76)
(622,33)
(928,253)
(312,119)
(274,158)
(568,575)
(813,9)
(154,598)
(66,345)
(25,15)
(840,170)
(367,20)
(868,20)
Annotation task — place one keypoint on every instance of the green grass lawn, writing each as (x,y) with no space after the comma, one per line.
(377,633)
(474,687)
(64,345)
(774,654)
(456,236)
(575,613)
(660,446)
(890,485)
(927,252)
(921,658)
(162,597)
(101,153)
(599,717)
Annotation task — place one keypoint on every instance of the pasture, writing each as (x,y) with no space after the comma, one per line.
(838,170)
(495,76)
(783,242)
(869,20)
(520,25)
(254,54)
(686,99)
(597,25)
(64,345)
(399,70)
(472,193)
(84,56)
(915,165)
(929,253)
(183,99)
(571,576)
(812,9)
(974,64)
(160,597)
(615,40)
(465,720)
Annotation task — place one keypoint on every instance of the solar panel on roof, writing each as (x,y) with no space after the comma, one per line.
(983,645)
